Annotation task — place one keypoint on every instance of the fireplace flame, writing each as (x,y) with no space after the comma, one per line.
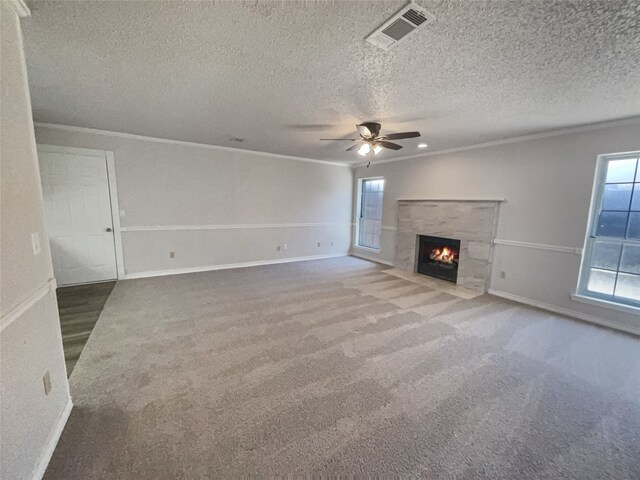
(444,255)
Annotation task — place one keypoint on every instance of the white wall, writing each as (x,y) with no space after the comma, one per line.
(216,206)
(30,339)
(547,184)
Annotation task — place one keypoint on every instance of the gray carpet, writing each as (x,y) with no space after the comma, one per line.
(332,367)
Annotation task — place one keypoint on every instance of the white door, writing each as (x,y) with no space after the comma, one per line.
(77,214)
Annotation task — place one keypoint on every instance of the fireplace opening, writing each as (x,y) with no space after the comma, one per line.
(438,257)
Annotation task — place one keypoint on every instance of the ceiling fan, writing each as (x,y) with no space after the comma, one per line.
(371,141)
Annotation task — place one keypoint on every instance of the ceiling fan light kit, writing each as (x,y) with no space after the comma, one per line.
(371,141)
(364,149)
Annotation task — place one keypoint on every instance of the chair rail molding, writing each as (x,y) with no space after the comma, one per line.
(33,298)
(538,246)
(240,226)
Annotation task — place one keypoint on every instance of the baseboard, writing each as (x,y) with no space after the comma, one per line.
(45,458)
(180,271)
(355,253)
(565,311)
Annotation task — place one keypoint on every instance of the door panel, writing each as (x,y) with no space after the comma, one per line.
(77,215)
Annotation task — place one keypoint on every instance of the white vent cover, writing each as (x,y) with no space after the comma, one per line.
(400,26)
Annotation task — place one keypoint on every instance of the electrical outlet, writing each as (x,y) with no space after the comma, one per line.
(122,213)
(35,243)
(172,254)
(284,246)
(503,275)
(46,381)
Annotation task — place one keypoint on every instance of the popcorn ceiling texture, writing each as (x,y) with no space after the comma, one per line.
(284,74)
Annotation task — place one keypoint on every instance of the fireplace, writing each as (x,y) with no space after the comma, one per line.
(439,257)
(472,222)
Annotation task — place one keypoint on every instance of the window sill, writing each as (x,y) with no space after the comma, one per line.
(367,249)
(605,304)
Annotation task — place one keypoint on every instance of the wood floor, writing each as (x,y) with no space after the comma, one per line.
(80,307)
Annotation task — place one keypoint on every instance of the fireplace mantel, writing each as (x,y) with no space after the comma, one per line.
(450,200)
(473,221)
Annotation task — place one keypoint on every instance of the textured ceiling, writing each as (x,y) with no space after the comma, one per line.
(284,74)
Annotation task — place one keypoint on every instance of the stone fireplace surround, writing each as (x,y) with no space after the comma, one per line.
(473,222)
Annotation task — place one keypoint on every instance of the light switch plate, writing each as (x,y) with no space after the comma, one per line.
(35,243)
(122,213)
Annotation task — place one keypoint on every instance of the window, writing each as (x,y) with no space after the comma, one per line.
(370,212)
(611,264)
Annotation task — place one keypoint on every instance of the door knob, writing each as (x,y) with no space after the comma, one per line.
(108,229)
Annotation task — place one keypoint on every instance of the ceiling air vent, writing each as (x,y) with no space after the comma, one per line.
(400,26)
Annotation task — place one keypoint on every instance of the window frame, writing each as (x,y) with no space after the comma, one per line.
(597,197)
(359,214)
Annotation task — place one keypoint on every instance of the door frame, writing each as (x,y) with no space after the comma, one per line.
(113,193)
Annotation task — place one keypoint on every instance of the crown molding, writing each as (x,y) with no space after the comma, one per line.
(353,164)
(131,136)
(19,7)
(507,141)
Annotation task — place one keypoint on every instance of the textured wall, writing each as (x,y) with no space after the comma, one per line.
(210,193)
(546,184)
(30,342)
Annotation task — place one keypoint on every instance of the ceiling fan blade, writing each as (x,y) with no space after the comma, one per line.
(344,139)
(364,131)
(353,147)
(389,145)
(400,136)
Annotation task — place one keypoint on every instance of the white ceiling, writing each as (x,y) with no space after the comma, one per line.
(284,74)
